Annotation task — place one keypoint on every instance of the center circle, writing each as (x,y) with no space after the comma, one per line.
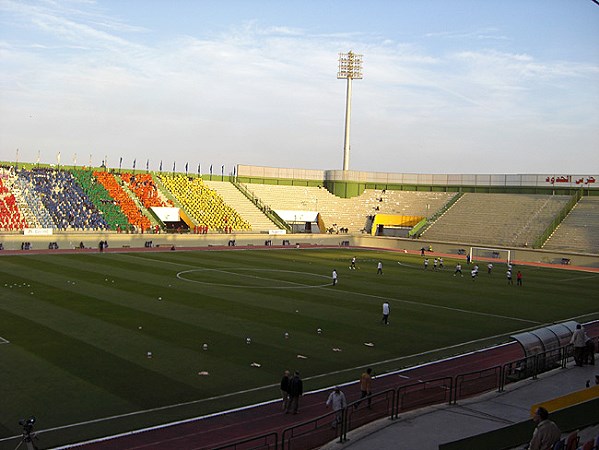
(304,280)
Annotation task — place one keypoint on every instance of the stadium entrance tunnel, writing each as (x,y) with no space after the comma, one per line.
(543,347)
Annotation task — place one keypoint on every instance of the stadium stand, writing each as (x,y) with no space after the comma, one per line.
(353,214)
(579,231)
(500,219)
(10,215)
(63,198)
(29,203)
(203,204)
(128,206)
(100,197)
(248,210)
(143,186)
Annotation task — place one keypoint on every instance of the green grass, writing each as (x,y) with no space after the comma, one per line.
(77,352)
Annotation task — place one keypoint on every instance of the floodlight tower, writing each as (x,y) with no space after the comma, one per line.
(350,67)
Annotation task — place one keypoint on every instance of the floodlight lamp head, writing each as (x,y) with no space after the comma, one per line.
(350,66)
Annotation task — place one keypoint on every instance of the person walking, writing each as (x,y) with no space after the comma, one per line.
(365,387)
(285,389)
(338,402)
(519,278)
(296,389)
(379,268)
(386,312)
(334,277)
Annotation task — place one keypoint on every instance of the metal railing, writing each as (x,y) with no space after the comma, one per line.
(268,441)
(272,215)
(424,393)
(476,382)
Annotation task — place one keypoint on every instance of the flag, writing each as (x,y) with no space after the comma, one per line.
(186,164)
(210,169)
(148,165)
(160,165)
(120,162)
(58,158)
(134,161)
(234,170)
(174,164)
(38,157)
(199,168)
(222,169)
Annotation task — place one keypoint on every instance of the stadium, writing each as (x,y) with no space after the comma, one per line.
(138,303)
(438,294)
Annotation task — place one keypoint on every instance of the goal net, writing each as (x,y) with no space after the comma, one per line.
(490,254)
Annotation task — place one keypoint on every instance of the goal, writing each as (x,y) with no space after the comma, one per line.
(490,254)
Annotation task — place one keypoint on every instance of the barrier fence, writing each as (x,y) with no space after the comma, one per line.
(390,403)
(424,393)
(268,441)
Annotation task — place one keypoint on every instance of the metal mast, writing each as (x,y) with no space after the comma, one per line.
(350,67)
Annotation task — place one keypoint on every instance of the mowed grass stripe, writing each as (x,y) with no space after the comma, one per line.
(118,376)
(61,391)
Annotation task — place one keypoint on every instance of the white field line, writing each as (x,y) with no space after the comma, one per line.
(567,280)
(465,311)
(231,271)
(449,308)
(4,341)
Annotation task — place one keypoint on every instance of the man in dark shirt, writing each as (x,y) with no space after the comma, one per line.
(296,389)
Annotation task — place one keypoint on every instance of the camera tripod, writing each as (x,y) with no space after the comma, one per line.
(27,439)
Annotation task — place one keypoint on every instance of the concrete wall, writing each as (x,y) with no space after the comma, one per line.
(72,240)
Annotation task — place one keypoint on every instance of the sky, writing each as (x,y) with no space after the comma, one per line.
(449,86)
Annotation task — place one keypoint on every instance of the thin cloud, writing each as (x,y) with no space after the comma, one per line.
(267,94)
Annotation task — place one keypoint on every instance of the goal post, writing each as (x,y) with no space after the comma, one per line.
(490,254)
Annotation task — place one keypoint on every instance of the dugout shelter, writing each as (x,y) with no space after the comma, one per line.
(542,346)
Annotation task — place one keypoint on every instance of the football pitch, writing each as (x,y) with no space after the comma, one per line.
(96,344)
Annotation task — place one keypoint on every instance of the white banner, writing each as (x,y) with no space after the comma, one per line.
(277,232)
(37,231)
(297,216)
(167,214)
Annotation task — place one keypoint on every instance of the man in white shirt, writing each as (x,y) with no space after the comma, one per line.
(386,311)
(579,340)
(338,402)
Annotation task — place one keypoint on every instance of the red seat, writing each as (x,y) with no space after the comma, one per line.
(572,441)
